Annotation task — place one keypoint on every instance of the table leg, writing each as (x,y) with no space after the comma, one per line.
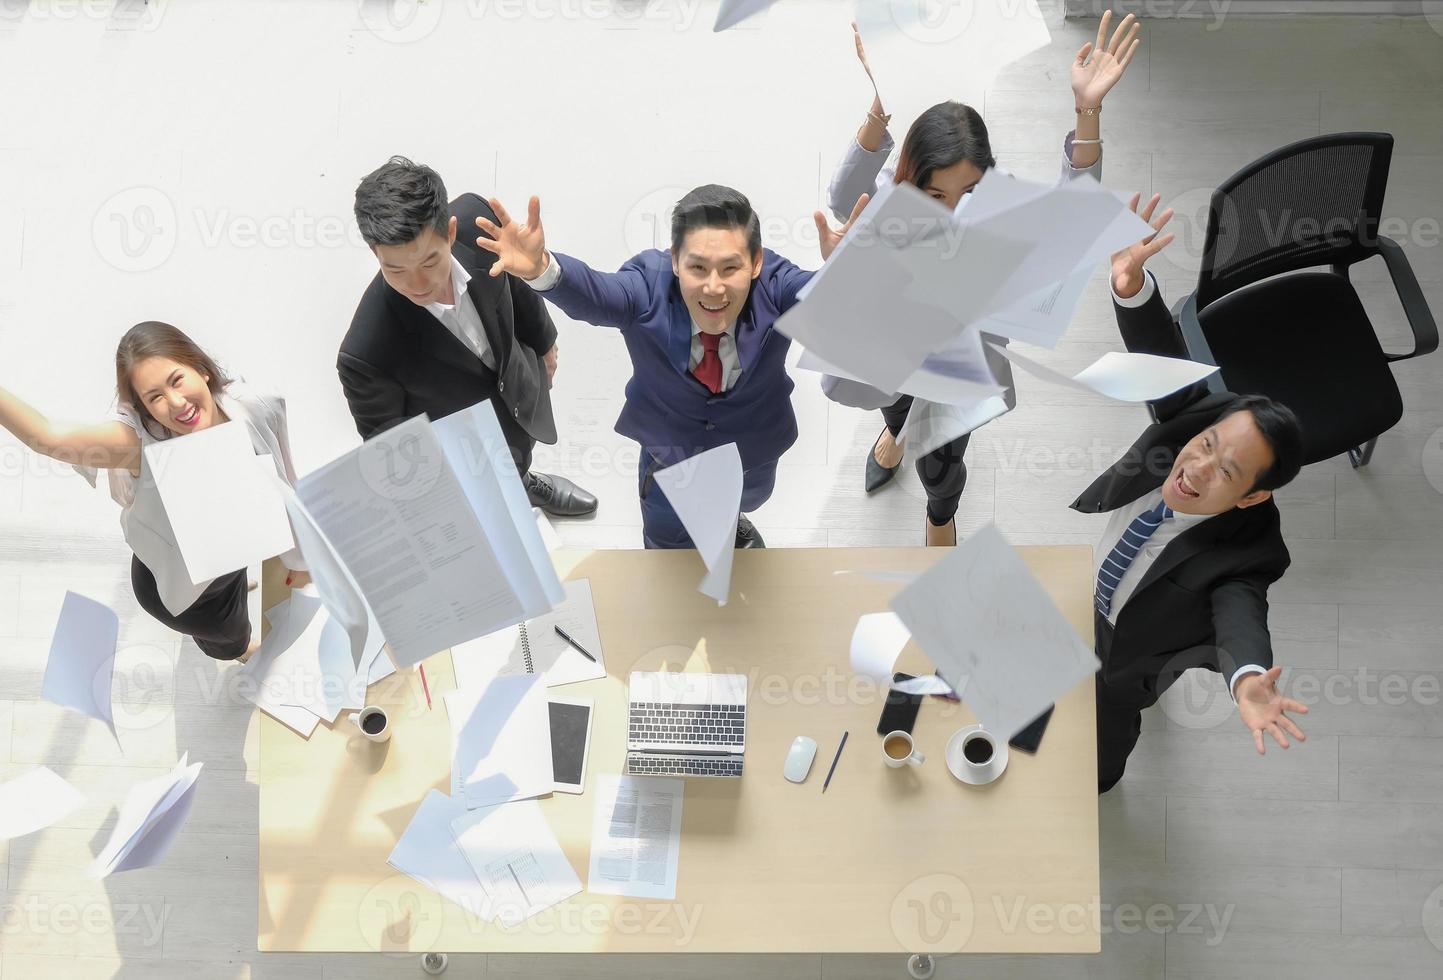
(920,966)
(433,963)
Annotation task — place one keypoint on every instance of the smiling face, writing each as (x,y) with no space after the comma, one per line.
(947,185)
(175,394)
(714,269)
(420,269)
(1217,469)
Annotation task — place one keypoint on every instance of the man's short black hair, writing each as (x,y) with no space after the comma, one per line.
(399,200)
(715,206)
(1283,433)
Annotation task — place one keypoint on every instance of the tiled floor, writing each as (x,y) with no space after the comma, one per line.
(194,163)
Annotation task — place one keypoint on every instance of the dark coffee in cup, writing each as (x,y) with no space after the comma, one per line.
(373,723)
(897,747)
(977,750)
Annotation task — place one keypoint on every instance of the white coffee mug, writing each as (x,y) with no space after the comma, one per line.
(896,741)
(372,722)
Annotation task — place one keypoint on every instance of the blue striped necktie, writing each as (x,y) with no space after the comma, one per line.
(1120,559)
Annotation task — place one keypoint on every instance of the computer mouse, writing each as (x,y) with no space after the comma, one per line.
(799,759)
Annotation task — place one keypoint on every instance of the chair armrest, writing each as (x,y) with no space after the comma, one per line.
(1197,345)
(1415,306)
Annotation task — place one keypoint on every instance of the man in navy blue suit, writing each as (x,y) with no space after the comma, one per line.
(708,367)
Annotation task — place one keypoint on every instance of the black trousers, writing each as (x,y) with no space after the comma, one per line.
(217,621)
(942,471)
(1121,700)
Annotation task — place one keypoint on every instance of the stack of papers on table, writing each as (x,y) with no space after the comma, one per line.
(302,674)
(499,862)
(500,741)
(515,856)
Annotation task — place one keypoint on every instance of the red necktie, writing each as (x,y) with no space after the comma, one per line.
(709,369)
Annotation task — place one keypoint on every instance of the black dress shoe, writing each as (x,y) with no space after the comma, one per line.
(747,534)
(558,496)
(878,476)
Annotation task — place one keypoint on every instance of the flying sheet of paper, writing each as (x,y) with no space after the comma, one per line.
(635,837)
(82,659)
(733,12)
(428,853)
(931,425)
(705,490)
(34,801)
(481,459)
(979,614)
(1071,227)
(224,512)
(501,741)
(877,642)
(514,854)
(150,536)
(903,282)
(1041,317)
(337,588)
(149,820)
(1123,376)
(398,518)
(503,652)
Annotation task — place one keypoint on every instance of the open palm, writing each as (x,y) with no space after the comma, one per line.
(1263,709)
(1093,77)
(520,249)
(827,238)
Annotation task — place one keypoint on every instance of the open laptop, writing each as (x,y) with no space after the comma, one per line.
(686,724)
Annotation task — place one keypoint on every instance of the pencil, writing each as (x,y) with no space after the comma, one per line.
(424,686)
(828,781)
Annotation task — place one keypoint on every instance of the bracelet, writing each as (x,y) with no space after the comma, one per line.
(1078,142)
(885,121)
(1088,110)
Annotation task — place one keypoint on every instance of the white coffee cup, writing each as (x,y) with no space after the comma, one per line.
(899,750)
(373,723)
(975,756)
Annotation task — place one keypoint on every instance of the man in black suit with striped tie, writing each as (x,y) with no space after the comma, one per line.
(1194,540)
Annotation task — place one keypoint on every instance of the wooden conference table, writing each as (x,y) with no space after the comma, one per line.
(888,860)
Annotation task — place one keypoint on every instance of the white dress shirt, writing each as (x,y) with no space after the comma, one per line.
(461,317)
(726,350)
(1166,532)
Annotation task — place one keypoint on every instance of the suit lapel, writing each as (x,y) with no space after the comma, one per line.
(1192,542)
(437,341)
(485,297)
(678,339)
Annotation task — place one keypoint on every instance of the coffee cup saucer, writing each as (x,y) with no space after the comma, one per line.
(972,775)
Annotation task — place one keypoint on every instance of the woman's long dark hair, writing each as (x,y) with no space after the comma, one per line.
(944,136)
(155,339)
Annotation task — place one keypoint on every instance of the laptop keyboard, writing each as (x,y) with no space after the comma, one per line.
(688,724)
(684,765)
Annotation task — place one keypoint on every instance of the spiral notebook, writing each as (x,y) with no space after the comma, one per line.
(533,647)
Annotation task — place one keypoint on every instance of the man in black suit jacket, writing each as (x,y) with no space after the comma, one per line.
(1194,541)
(436,333)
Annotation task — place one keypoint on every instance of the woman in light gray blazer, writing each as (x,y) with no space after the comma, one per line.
(944,154)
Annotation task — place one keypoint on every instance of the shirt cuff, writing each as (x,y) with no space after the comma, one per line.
(1140,298)
(547,279)
(1242,671)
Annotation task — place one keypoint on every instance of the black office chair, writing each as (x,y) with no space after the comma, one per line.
(1302,337)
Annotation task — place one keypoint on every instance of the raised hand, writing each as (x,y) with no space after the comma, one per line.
(862,55)
(1263,709)
(519,249)
(827,239)
(1127,265)
(1100,64)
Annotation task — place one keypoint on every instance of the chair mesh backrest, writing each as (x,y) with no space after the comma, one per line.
(1315,202)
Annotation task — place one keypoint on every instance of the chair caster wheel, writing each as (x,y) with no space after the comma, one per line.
(433,963)
(921,966)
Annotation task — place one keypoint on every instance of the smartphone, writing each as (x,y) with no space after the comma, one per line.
(899,714)
(1030,737)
